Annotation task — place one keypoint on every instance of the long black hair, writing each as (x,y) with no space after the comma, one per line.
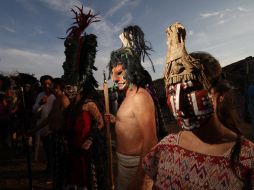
(136,73)
(136,37)
(132,56)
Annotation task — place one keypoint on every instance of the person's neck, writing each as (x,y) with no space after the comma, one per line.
(131,90)
(214,132)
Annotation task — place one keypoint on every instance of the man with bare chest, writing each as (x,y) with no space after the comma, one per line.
(135,124)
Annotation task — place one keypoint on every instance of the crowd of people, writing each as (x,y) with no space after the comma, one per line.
(66,123)
(209,152)
(17,96)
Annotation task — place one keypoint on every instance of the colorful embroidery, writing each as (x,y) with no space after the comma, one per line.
(173,167)
(92,108)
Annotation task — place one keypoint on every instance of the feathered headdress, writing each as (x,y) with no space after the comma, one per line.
(80,50)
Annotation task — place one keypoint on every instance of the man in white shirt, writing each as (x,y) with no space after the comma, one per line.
(41,109)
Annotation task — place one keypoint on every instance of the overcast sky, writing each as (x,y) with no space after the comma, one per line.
(29,30)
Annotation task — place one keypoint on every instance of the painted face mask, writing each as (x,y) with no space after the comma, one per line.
(119,76)
(186,83)
(190,104)
(71,91)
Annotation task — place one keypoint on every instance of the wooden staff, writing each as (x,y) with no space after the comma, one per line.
(109,143)
(26,143)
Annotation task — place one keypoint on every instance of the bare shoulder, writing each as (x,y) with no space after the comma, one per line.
(142,96)
(65,101)
(90,105)
(143,101)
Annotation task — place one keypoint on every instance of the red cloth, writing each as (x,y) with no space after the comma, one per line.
(79,159)
(81,129)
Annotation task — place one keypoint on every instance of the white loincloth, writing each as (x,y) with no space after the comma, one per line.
(126,169)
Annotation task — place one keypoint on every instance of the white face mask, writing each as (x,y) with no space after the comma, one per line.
(119,77)
(71,91)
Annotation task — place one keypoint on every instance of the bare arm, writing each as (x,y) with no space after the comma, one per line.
(65,101)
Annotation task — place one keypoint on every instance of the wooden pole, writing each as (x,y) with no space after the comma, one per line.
(26,144)
(109,143)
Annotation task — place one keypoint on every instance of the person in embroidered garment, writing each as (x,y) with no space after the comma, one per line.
(210,152)
(135,124)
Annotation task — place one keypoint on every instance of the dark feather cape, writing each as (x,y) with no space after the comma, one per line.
(80,50)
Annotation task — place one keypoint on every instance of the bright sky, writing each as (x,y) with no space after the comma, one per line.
(29,30)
